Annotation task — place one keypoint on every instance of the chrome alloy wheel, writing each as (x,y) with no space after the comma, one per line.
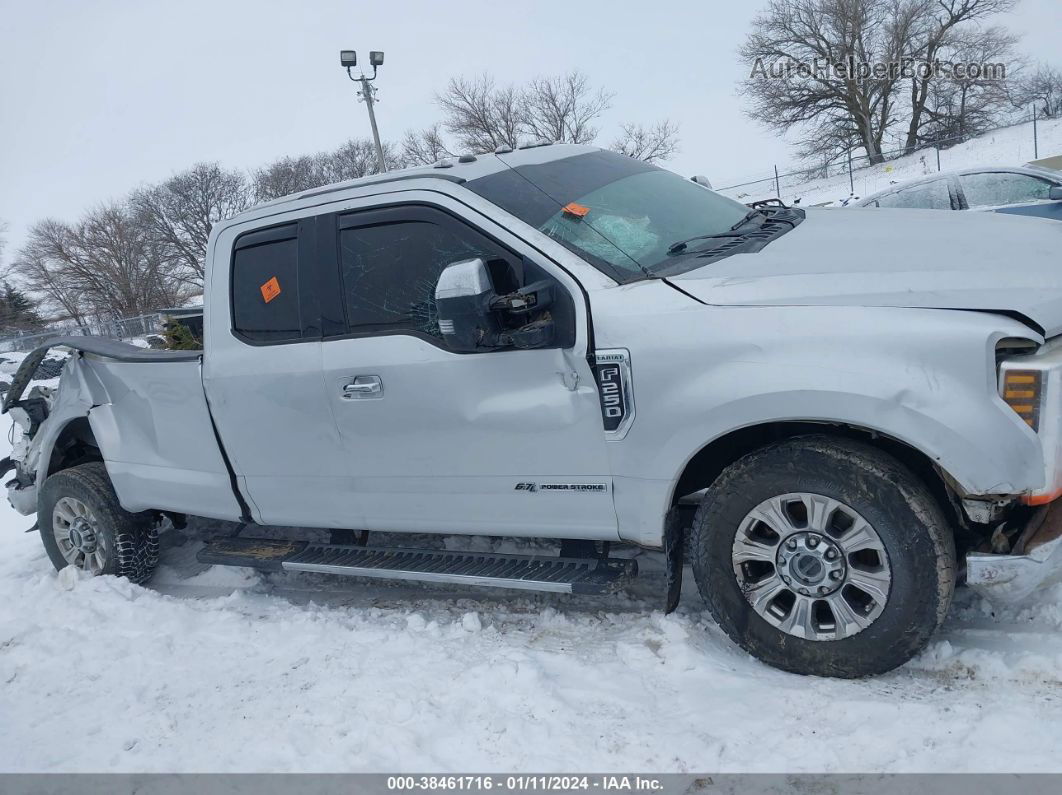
(77,535)
(811,566)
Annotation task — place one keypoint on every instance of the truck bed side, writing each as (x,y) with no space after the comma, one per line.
(150,419)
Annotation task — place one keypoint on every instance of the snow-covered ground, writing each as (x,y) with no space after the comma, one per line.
(1011,146)
(217,669)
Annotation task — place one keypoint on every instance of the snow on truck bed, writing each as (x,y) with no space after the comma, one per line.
(217,669)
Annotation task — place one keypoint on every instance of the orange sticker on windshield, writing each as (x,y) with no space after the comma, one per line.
(270,290)
(577,210)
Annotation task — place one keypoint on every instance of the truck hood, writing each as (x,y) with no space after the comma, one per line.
(898,258)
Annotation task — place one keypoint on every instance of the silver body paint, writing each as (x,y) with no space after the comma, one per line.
(851,318)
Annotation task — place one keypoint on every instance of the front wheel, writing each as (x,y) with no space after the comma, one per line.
(82,524)
(824,556)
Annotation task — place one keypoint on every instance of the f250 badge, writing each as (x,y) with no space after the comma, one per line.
(533,487)
(614,388)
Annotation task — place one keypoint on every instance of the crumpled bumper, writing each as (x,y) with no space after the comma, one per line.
(1009,579)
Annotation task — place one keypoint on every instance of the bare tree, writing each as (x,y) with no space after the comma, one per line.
(806,32)
(179,214)
(650,144)
(353,159)
(1042,88)
(959,108)
(424,147)
(104,267)
(560,108)
(563,108)
(480,115)
(893,40)
(41,264)
(285,176)
(936,34)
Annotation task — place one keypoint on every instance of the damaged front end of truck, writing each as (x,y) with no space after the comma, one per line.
(1031,558)
(1021,543)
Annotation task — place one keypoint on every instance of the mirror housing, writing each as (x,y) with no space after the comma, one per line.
(463,297)
(473,317)
(1055,194)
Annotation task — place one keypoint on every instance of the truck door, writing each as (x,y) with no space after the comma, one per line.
(262,375)
(504,442)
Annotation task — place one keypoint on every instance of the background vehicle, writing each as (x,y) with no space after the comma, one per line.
(1025,190)
(568,344)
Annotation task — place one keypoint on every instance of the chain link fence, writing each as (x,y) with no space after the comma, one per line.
(120,329)
(849,163)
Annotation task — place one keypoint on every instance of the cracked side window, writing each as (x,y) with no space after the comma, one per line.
(390,271)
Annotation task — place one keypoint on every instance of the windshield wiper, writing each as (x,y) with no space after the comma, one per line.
(748,217)
(681,245)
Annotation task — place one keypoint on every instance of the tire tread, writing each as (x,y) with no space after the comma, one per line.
(870,464)
(135,535)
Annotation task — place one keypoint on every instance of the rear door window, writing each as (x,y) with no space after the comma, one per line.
(991,189)
(927,196)
(265,289)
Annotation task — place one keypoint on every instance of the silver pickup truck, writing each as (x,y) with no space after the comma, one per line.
(566,344)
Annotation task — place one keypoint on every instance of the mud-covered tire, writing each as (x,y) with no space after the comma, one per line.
(129,541)
(908,521)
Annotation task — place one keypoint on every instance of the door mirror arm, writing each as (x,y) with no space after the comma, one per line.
(536,334)
(532,298)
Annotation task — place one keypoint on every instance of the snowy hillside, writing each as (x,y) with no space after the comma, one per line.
(1008,146)
(216,669)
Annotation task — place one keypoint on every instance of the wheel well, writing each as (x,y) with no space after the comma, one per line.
(75,445)
(713,458)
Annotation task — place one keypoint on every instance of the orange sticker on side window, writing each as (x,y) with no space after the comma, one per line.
(577,210)
(270,290)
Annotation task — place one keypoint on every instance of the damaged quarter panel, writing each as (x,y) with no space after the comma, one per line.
(151,422)
(78,390)
(924,377)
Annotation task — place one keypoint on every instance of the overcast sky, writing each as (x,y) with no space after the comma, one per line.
(98,97)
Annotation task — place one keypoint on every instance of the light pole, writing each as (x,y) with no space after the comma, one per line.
(349,59)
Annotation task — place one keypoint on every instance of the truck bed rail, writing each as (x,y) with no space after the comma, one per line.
(99,346)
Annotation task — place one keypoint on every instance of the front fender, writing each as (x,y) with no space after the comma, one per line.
(924,377)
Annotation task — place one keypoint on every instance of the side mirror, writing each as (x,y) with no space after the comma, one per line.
(473,317)
(700,179)
(462,298)
(1055,194)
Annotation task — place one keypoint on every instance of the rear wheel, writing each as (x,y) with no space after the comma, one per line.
(82,524)
(824,556)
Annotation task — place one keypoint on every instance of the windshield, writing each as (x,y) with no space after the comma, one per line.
(620,214)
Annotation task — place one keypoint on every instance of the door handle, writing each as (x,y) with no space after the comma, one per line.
(363,386)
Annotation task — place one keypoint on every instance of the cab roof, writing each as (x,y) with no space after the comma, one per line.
(458,169)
